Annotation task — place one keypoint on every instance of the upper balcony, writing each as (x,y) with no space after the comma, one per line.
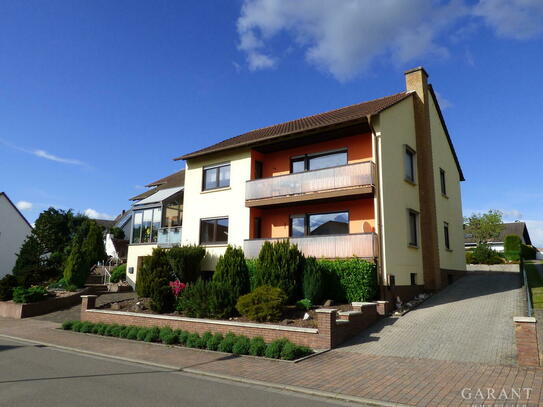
(168,237)
(341,181)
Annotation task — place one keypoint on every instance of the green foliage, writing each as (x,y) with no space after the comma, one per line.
(304,304)
(67,325)
(142,333)
(23,295)
(512,247)
(350,279)
(469,257)
(86,327)
(484,227)
(214,342)
(528,252)
(206,299)
(206,337)
(194,341)
(118,274)
(164,331)
(291,351)
(228,343)
(117,233)
(162,298)
(280,265)
(185,262)
(170,339)
(183,337)
(232,273)
(99,329)
(93,246)
(7,284)
(251,267)
(30,266)
(133,333)
(110,330)
(77,267)
(53,229)
(152,335)
(274,349)
(241,346)
(483,254)
(313,281)
(535,284)
(76,326)
(154,267)
(257,346)
(264,304)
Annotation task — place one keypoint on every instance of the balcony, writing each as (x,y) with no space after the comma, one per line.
(168,237)
(363,245)
(342,181)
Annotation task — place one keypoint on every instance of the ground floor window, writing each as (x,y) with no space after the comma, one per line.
(446,235)
(315,224)
(413,228)
(214,231)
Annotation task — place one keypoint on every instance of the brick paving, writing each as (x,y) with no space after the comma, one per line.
(409,381)
(469,321)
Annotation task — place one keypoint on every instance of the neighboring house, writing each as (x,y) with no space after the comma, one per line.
(123,221)
(156,220)
(14,228)
(378,180)
(515,228)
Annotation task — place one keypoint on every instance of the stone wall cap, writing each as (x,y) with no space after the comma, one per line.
(382,302)
(89,296)
(363,304)
(530,320)
(326,310)
(350,313)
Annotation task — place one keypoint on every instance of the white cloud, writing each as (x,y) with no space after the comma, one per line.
(94,214)
(24,205)
(345,37)
(443,102)
(44,154)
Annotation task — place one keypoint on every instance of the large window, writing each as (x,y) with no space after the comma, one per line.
(413,228)
(217,176)
(443,181)
(214,231)
(310,162)
(409,162)
(145,225)
(334,223)
(173,213)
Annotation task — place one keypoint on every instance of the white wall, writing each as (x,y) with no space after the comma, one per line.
(227,202)
(13,232)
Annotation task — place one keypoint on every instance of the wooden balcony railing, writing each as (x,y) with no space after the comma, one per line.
(362,245)
(345,180)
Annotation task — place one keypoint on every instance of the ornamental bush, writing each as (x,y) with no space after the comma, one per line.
(67,325)
(182,336)
(304,304)
(281,265)
(214,342)
(227,343)
(206,299)
(118,274)
(185,262)
(152,335)
(313,282)
(264,304)
(142,333)
(257,346)
(7,284)
(132,333)
(164,332)
(194,341)
(154,267)
(350,279)
(483,254)
(23,295)
(512,247)
(232,273)
(274,349)
(241,346)
(251,267)
(291,351)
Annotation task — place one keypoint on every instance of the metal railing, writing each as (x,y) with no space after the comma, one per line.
(528,293)
(169,236)
(328,246)
(345,176)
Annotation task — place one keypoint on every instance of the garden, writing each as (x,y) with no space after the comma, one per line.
(281,286)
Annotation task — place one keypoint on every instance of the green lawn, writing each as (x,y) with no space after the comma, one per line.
(535,282)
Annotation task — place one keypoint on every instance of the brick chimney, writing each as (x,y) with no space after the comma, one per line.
(417,80)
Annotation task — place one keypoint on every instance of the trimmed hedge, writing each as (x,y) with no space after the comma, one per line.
(230,343)
(349,280)
(185,262)
(512,247)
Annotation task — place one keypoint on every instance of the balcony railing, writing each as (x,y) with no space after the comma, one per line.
(169,236)
(362,245)
(338,181)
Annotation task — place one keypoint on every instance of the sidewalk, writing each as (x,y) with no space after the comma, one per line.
(390,380)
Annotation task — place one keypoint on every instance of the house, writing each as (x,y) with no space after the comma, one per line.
(14,228)
(156,219)
(515,228)
(378,180)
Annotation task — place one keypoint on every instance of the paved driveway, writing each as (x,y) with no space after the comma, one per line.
(469,321)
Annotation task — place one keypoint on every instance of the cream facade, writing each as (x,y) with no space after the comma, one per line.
(133,260)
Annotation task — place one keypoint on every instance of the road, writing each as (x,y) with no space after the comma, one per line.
(32,375)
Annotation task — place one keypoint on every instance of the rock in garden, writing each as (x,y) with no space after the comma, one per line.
(115,306)
(329,303)
(307,316)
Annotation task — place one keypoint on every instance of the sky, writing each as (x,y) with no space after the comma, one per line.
(97,97)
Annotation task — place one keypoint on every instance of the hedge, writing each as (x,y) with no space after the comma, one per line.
(230,343)
(512,247)
(349,280)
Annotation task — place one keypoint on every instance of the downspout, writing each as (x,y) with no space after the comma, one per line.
(381,267)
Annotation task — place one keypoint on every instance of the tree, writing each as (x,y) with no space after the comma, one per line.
(232,272)
(52,229)
(29,265)
(117,233)
(93,245)
(484,227)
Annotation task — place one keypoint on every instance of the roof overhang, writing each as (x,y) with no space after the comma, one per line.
(158,197)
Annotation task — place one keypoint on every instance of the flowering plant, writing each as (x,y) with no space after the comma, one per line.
(177,286)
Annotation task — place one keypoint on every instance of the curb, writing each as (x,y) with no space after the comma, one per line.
(285,387)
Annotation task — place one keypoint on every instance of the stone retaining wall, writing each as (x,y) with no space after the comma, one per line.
(330,330)
(494,267)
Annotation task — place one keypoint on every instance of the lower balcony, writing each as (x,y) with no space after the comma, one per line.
(168,237)
(362,245)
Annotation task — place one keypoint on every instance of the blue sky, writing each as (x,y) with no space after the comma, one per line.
(97,97)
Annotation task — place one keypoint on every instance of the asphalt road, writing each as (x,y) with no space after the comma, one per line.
(35,375)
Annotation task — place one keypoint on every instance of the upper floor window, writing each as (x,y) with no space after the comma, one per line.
(216,176)
(413,228)
(310,162)
(446,235)
(409,162)
(173,213)
(145,225)
(214,231)
(333,223)
(443,182)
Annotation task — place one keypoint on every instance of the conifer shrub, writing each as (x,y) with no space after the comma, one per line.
(257,346)
(241,345)
(313,281)
(263,304)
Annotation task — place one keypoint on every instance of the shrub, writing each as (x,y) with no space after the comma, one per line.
(132,333)
(263,304)
(98,329)
(76,326)
(291,351)
(232,273)
(86,327)
(124,332)
(351,280)
(118,274)
(206,337)
(67,325)
(214,342)
(274,349)
(152,335)
(170,339)
(162,298)
(280,265)
(257,346)
(241,346)
(164,332)
(142,333)
(313,281)
(251,268)
(512,247)
(469,257)
(185,262)
(227,343)
(528,252)
(194,341)
(112,330)
(304,304)
(7,284)
(23,295)
(206,299)
(483,254)
(154,267)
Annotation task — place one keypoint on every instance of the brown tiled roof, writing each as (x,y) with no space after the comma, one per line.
(344,114)
(177,179)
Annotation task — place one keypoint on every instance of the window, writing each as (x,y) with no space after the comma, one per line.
(443,182)
(216,177)
(146,224)
(446,234)
(391,281)
(173,214)
(409,162)
(257,232)
(413,226)
(214,231)
(259,169)
(310,162)
(335,223)
(413,278)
